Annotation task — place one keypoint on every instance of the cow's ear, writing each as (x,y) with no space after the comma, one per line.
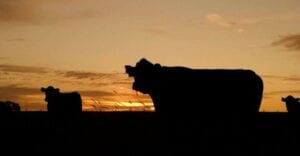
(144,60)
(43,89)
(144,63)
(157,66)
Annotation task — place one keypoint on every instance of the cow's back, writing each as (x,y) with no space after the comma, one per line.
(72,102)
(65,103)
(182,89)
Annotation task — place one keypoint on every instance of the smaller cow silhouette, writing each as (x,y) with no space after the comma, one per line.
(62,102)
(292,104)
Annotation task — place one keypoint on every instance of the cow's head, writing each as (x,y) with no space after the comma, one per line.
(145,75)
(289,99)
(50,93)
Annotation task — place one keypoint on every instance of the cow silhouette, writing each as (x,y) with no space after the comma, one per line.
(292,104)
(62,102)
(183,91)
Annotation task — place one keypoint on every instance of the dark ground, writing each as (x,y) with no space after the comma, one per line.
(143,133)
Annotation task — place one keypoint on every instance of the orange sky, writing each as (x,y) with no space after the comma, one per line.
(83,45)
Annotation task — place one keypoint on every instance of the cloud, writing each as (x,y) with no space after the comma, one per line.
(15,92)
(15,10)
(284,78)
(273,76)
(240,30)
(28,74)
(292,79)
(22,69)
(280,92)
(156,31)
(290,42)
(84,75)
(95,79)
(15,40)
(122,82)
(220,21)
(96,94)
(37,11)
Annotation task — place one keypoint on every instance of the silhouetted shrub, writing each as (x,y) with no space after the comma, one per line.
(9,106)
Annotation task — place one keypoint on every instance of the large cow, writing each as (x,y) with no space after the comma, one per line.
(184,91)
(62,102)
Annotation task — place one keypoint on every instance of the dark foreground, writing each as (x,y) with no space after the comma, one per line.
(143,133)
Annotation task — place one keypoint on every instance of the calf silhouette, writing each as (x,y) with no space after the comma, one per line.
(62,102)
(183,91)
(292,104)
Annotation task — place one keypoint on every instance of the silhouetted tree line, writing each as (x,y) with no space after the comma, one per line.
(9,106)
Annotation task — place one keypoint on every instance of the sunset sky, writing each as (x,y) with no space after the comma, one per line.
(83,45)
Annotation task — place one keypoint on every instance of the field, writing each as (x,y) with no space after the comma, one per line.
(144,133)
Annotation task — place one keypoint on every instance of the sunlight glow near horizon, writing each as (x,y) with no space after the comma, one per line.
(83,45)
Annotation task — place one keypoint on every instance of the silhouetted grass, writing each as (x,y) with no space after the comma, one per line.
(144,132)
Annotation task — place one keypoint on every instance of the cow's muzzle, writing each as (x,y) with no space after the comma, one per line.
(130,70)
